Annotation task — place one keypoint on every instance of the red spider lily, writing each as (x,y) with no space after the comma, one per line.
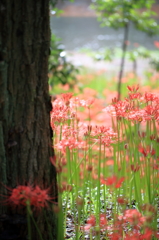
(156,166)
(68,131)
(147,151)
(103,220)
(114,100)
(89,102)
(152,112)
(115,236)
(23,195)
(63,108)
(132,236)
(134,217)
(86,130)
(133,89)
(104,135)
(153,137)
(133,96)
(142,134)
(109,181)
(86,103)
(122,201)
(122,108)
(20,195)
(89,167)
(100,130)
(113,181)
(136,115)
(66,97)
(40,197)
(119,182)
(110,110)
(71,143)
(104,131)
(148,234)
(135,168)
(59,114)
(91,222)
(150,97)
(109,162)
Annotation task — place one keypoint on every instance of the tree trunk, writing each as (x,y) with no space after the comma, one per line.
(25,133)
(124,49)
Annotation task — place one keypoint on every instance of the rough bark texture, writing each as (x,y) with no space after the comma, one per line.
(25,134)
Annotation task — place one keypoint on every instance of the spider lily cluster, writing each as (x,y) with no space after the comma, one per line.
(108,166)
(107,172)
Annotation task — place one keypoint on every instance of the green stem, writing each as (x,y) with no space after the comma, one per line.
(28,221)
(98,188)
(40,236)
(60,230)
(49,227)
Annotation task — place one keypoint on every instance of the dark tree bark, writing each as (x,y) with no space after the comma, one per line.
(25,133)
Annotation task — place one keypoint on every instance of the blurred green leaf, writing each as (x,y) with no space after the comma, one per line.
(60,70)
(117,13)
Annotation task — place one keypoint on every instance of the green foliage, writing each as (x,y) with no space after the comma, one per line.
(118,13)
(108,54)
(60,71)
(53,3)
(56,11)
(133,55)
(142,52)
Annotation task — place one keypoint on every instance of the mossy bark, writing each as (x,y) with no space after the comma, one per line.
(25,133)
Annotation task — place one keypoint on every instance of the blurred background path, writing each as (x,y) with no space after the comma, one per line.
(79,30)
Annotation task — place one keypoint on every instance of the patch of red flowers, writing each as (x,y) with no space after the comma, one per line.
(146,151)
(24,195)
(113,181)
(91,222)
